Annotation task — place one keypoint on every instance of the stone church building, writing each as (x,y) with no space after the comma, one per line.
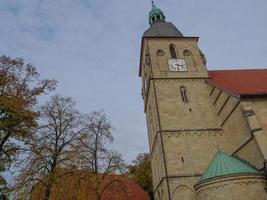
(207,130)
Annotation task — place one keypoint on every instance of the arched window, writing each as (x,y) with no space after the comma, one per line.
(189,60)
(183,192)
(187,53)
(158,17)
(160,53)
(173,51)
(183,92)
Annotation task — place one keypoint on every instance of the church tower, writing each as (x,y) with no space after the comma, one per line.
(184,128)
(183,132)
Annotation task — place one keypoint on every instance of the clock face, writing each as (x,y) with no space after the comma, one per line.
(173,65)
(177,65)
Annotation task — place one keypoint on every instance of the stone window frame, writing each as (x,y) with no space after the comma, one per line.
(184,95)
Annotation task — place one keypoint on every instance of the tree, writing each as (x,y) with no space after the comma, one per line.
(53,147)
(100,161)
(20,86)
(140,171)
(64,143)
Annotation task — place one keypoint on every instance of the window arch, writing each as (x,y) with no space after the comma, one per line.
(173,51)
(184,95)
(187,53)
(160,52)
(189,59)
(183,192)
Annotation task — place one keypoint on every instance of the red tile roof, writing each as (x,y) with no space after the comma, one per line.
(241,82)
(80,185)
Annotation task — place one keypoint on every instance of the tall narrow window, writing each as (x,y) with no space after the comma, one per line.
(173,51)
(153,19)
(183,92)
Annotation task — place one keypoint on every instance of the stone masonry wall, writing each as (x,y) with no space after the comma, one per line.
(235,188)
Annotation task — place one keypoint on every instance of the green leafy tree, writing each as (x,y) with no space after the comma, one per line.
(20,86)
(140,171)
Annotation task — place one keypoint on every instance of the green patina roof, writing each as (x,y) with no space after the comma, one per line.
(154,12)
(158,26)
(224,164)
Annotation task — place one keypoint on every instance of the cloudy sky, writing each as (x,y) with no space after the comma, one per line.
(92,48)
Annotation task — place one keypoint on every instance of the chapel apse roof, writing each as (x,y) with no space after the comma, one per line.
(244,82)
(224,164)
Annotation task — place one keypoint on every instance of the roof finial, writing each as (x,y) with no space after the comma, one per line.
(153,4)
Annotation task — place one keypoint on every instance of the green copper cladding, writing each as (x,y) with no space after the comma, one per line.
(224,164)
(155,14)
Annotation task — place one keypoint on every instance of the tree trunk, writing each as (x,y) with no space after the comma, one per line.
(98,196)
(3,141)
(48,190)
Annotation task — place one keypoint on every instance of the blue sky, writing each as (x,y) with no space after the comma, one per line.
(92,48)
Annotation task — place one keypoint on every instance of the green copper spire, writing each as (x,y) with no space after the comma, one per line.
(224,164)
(155,14)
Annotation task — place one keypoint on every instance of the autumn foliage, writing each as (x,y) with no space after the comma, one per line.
(80,185)
(20,86)
(58,152)
(140,171)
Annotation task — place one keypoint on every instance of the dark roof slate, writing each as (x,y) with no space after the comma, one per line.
(162,29)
